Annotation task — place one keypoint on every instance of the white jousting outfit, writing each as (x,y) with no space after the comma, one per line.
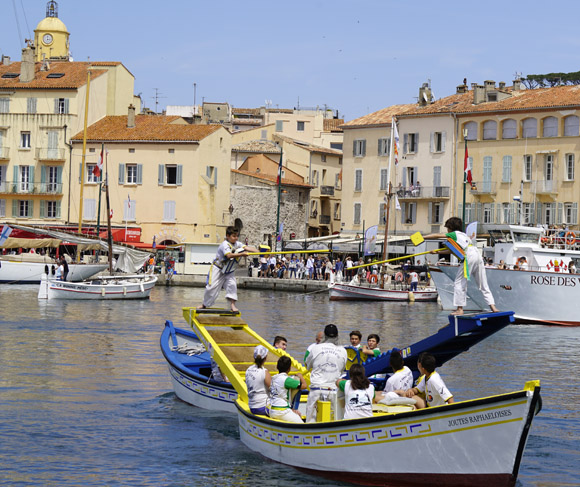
(257,392)
(327,362)
(435,390)
(475,269)
(358,403)
(401,380)
(221,274)
(280,398)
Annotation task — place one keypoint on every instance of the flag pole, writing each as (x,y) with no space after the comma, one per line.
(465,163)
(386,241)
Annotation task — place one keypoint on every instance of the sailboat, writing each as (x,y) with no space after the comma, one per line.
(135,286)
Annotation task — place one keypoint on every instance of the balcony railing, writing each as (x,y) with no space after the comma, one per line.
(326,190)
(324,219)
(422,192)
(45,154)
(544,187)
(483,187)
(30,188)
(4,153)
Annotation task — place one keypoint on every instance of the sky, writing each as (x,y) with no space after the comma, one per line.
(352,56)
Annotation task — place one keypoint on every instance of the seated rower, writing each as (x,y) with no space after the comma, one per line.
(432,385)
(281,392)
(359,394)
(258,382)
(371,349)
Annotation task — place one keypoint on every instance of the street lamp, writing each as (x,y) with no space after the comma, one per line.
(465,133)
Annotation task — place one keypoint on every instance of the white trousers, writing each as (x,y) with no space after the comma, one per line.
(216,279)
(477,273)
(285,415)
(312,403)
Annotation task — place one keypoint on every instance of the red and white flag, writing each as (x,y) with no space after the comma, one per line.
(467,167)
(396,144)
(128,201)
(111,214)
(99,166)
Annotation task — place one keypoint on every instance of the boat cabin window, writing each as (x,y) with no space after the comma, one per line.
(526,237)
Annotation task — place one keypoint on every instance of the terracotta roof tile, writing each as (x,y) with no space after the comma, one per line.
(75,76)
(148,128)
(309,147)
(272,179)
(332,124)
(245,111)
(462,103)
(257,146)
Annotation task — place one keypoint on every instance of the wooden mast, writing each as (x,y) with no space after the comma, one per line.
(82,176)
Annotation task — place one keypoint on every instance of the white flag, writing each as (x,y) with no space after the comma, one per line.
(471,231)
(397,204)
(396,144)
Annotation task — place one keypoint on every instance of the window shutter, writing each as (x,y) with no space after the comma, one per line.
(42,205)
(364,148)
(139,173)
(56,105)
(416,173)
(121,173)
(432,142)
(416,143)
(539,212)
(404,177)
(574,214)
(437,176)
(430,214)
(443,137)
(59,176)
(16,179)
(58,209)
(380,148)
(498,214)
(42,176)
(354,148)
(66,105)
(30,213)
(15,208)
(179,174)
(492,213)
(478,210)
(160,174)
(215,176)
(403,212)
(405,143)
(413,212)
(3,208)
(560,213)
(31,175)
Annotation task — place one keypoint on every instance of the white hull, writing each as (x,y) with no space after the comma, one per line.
(201,394)
(477,442)
(122,288)
(534,296)
(31,272)
(339,291)
(444,282)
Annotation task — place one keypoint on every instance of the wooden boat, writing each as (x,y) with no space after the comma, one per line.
(192,381)
(190,370)
(484,439)
(343,291)
(104,287)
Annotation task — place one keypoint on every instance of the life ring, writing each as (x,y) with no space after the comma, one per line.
(570,238)
(399,277)
(544,240)
(373,278)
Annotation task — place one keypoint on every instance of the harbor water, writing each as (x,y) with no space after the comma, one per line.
(86,400)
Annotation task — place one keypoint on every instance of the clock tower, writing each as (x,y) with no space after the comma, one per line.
(51,36)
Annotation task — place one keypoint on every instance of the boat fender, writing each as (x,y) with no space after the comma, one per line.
(142,288)
(570,238)
(411,297)
(103,291)
(373,279)
(399,276)
(124,291)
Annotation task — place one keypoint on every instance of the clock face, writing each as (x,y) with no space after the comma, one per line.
(47,38)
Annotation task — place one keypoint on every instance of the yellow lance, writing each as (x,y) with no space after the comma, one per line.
(268,252)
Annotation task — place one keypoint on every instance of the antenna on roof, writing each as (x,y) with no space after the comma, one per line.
(518,75)
(156,98)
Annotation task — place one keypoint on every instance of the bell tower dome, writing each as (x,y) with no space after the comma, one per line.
(51,37)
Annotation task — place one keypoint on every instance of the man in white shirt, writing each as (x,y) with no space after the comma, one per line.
(326,361)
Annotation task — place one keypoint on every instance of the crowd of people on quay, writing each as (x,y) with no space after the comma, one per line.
(326,360)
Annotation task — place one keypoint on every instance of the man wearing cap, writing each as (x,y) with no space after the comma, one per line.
(326,361)
(258,381)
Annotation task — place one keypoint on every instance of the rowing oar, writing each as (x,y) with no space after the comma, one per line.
(395,258)
(288,252)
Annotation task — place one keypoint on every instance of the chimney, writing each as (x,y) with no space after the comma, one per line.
(131,117)
(5,60)
(425,95)
(478,93)
(502,85)
(27,65)
(517,84)
(489,85)
(461,89)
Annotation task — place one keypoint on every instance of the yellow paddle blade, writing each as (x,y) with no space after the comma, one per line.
(417,239)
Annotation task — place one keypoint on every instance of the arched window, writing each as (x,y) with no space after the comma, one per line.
(471,128)
(550,128)
(490,130)
(572,125)
(509,129)
(529,128)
